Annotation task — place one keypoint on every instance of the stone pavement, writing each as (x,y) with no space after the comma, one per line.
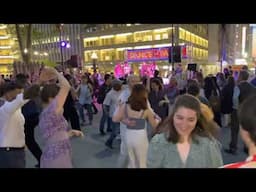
(90,152)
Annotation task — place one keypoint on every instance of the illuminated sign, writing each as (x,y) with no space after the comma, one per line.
(254,42)
(152,54)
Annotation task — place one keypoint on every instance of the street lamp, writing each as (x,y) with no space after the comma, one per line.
(172,47)
(94,57)
(62,43)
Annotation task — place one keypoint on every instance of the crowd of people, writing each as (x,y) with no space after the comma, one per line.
(174,125)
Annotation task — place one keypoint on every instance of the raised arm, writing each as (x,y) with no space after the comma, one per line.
(11,107)
(63,92)
(21,99)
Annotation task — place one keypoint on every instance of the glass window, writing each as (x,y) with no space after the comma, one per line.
(121,39)
(137,37)
(120,55)
(192,38)
(165,36)
(157,37)
(181,34)
(4,61)
(4,43)
(200,41)
(188,36)
(194,52)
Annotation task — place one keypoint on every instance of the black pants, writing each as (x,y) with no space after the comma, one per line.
(234,130)
(71,115)
(217,118)
(12,158)
(115,127)
(30,124)
(88,107)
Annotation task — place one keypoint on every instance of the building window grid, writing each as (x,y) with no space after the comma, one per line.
(141,37)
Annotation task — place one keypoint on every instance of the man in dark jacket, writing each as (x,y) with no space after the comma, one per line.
(242,91)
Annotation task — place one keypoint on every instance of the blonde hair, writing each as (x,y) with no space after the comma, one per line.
(206,112)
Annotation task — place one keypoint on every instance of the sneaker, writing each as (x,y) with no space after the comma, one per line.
(109,130)
(109,145)
(102,132)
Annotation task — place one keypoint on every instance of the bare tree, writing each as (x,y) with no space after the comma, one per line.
(24,36)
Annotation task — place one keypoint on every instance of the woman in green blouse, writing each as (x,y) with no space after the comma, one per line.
(186,139)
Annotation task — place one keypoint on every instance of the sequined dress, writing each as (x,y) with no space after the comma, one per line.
(57,147)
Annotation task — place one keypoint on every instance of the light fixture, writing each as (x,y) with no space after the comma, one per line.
(25,50)
(63,44)
(94,56)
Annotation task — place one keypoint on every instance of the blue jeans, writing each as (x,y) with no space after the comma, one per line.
(115,126)
(88,107)
(103,119)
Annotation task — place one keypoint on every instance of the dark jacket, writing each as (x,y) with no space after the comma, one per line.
(31,109)
(104,89)
(227,99)
(246,90)
(154,99)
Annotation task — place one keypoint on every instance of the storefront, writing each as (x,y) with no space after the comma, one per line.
(145,61)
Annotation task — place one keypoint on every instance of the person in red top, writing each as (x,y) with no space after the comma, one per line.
(247,117)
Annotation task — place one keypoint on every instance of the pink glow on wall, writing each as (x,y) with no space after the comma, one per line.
(122,69)
(148,69)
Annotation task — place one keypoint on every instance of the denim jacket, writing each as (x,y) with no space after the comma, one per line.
(204,154)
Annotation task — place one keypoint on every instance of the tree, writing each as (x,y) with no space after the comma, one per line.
(24,36)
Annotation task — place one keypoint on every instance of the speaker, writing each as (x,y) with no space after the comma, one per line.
(176,54)
(192,67)
(74,61)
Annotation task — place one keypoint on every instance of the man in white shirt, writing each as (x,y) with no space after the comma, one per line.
(109,104)
(12,137)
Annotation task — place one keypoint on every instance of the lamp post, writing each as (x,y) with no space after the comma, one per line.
(172,47)
(60,27)
(94,58)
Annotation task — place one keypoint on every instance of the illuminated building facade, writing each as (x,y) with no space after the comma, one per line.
(238,44)
(112,42)
(46,45)
(6,51)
